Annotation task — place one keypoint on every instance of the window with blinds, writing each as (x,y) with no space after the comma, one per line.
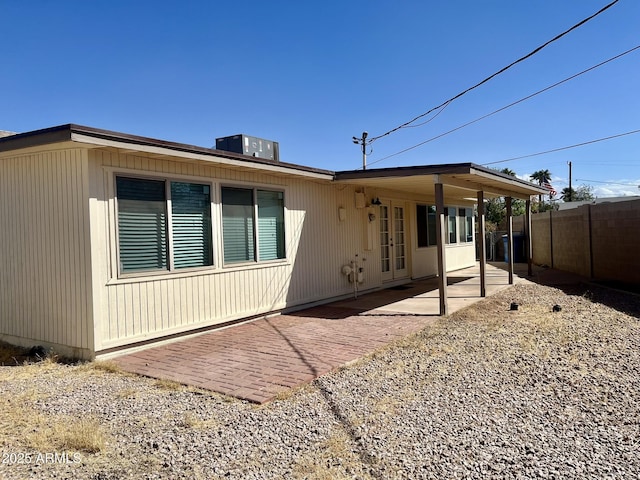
(191,225)
(252,217)
(142,224)
(237,225)
(270,225)
(145,242)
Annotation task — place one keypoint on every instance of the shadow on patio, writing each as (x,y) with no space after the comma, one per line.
(259,359)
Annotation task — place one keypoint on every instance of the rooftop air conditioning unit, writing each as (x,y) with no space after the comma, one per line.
(251,146)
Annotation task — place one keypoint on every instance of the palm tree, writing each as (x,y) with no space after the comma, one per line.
(583,192)
(568,194)
(542,177)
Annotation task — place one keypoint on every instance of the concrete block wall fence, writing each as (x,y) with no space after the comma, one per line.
(599,241)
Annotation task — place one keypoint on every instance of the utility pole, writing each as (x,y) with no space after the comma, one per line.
(362,141)
(570,191)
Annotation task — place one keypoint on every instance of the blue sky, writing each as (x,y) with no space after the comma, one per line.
(313,75)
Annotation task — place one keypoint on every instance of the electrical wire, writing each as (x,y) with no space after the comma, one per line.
(563,148)
(432,118)
(505,107)
(502,70)
(607,183)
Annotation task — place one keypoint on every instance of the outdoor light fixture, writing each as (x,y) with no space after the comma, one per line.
(376,201)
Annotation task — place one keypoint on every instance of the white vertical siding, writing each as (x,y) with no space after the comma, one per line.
(317,243)
(45,275)
(58,285)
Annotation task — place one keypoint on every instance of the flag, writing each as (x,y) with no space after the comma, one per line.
(548,186)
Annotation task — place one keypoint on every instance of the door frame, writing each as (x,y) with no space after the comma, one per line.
(394,273)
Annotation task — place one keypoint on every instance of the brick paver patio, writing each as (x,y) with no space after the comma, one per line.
(259,359)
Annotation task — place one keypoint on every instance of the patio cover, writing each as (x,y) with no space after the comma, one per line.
(454,183)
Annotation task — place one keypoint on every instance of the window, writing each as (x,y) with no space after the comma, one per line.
(270,225)
(241,231)
(466,225)
(145,241)
(191,224)
(452,223)
(426,221)
(237,225)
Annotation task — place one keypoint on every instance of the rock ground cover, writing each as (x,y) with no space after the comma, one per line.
(484,393)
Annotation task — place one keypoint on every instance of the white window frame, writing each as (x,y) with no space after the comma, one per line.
(448,229)
(256,232)
(462,225)
(167,179)
(428,223)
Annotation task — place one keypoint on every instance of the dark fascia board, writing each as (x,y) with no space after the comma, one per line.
(507,177)
(444,169)
(63,133)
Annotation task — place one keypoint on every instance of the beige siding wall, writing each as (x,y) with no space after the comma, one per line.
(59,284)
(45,275)
(460,256)
(424,260)
(318,245)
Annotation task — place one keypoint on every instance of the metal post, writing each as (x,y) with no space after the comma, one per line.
(528,239)
(481,242)
(570,191)
(441,229)
(510,238)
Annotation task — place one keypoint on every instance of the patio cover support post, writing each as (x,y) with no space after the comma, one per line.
(440,233)
(510,238)
(481,245)
(528,239)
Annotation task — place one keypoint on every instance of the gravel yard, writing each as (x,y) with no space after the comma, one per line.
(484,393)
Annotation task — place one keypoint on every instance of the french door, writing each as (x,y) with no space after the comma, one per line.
(393,246)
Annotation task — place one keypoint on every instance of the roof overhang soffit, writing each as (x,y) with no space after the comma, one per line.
(281,169)
(489,189)
(520,185)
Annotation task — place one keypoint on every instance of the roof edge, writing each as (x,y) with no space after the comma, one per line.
(443,169)
(36,138)
(62,133)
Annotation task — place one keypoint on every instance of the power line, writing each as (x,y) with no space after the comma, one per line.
(607,183)
(502,70)
(563,148)
(502,108)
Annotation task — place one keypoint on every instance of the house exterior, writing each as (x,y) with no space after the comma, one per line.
(111,240)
